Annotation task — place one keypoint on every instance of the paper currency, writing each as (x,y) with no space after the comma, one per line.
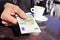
(28,25)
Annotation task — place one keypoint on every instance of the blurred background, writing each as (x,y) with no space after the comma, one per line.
(52,7)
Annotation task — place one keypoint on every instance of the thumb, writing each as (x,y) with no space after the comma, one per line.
(20,12)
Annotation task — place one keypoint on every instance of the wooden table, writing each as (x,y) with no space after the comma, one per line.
(47,33)
(8,33)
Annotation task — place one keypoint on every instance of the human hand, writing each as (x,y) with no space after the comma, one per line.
(8,14)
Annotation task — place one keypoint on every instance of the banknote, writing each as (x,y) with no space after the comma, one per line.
(28,25)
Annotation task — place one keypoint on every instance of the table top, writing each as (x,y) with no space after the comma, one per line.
(50,30)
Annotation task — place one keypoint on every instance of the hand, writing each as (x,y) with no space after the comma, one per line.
(8,14)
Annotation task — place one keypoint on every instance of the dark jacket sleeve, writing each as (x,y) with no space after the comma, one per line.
(1,9)
(1,6)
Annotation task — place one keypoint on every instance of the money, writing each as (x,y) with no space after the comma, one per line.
(28,25)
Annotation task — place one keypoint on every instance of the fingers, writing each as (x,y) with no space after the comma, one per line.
(9,13)
(3,22)
(20,12)
(16,9)
(6,23)
(12,13)
(9,18)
